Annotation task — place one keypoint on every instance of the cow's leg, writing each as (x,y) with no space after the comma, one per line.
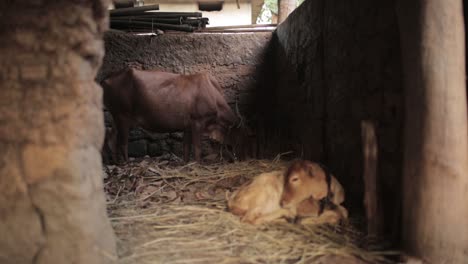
(187,144)
(196,139)
(123,126)
(115,144)
(221,148)
(110,140)
(110,143)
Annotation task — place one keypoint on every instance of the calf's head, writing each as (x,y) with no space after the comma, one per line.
(302,180)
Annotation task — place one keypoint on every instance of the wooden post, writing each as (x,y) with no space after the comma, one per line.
(285,7)
(435,176)
(256,9)
(371,195)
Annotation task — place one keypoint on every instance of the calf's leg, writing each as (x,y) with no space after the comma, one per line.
(339,214)
(278,214)
(327,217)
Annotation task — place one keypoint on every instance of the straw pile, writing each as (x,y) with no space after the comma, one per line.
(166,212)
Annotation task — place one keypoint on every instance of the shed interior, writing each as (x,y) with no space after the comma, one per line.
(375,90)
(304,89)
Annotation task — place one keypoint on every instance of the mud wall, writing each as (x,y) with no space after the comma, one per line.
(232,58)
(336,63)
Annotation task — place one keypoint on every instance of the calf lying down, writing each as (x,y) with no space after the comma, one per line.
(260,201)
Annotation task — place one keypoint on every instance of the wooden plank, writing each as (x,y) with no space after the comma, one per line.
(371,194)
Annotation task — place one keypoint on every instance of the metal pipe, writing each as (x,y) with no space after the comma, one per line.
(162,14)
(149,26)
(123,3)
(174,21)
(133,10)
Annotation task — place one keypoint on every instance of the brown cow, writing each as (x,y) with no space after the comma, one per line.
(167,102)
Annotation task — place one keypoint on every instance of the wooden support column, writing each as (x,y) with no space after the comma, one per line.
(256,9)
(435,183)
(52,204)
(285,7)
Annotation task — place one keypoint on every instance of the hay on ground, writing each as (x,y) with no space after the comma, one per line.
(166,212)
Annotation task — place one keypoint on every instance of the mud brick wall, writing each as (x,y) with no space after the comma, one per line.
(336,63)
(232,58)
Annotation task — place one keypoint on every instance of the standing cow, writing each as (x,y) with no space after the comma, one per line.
(167,102)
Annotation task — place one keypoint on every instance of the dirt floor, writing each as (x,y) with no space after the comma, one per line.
(165,211)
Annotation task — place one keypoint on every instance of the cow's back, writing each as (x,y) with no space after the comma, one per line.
(162,101)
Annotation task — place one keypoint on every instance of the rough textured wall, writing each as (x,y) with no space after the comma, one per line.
(52,205)
(232,58)
(336,63)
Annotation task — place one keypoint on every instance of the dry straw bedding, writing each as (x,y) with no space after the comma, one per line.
(166,212)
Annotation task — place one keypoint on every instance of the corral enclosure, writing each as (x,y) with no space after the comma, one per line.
(304,88)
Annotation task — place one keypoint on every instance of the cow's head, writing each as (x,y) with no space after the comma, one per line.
(216,132)
(239,135)
(240,142)
(302,180)
(219,127)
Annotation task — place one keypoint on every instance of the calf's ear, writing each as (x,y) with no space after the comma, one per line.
(310,171)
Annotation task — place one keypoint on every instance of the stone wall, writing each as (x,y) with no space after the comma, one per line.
(232,58)
(336,63)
